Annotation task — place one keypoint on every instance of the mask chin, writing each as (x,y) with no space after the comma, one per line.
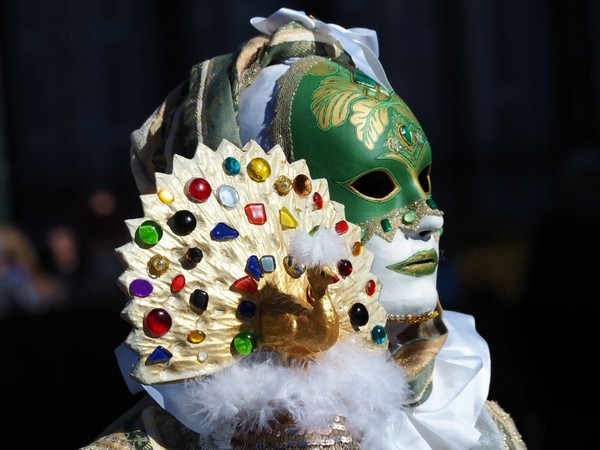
(414,293)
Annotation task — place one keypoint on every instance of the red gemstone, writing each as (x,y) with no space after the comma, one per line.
(370,287)
(256,213)
(158,322)
(178,283)
(318,200)
(198,189)
(344,267)
(341,227)
(245,285)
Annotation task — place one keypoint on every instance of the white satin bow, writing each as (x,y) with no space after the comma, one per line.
(360,43)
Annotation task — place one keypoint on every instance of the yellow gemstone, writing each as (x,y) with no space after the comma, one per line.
(357,248)
(283,185)
(259,169)
(196,336)
(287,219)
(157,265)
(165,196)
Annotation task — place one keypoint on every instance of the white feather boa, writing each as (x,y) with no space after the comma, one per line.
(368,389)
(250,394)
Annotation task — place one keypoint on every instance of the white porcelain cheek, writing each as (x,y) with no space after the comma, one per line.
(403,294)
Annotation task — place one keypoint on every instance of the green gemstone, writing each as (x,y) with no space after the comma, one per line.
(149,233)
(431,203)
(363,79)
(314,230)
(406,134)
(378,334)
(409,217)
(244,342)
(363,233)
(386,225)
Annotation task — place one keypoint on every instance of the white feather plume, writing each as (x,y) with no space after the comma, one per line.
(321,248)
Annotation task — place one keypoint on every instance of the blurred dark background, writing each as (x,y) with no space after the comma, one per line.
(508,92)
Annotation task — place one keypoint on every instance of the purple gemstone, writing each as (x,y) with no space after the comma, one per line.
(140,288)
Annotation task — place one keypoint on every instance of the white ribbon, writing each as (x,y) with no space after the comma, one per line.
(360,43)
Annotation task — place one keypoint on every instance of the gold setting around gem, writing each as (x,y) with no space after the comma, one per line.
(157,265)
(283,185)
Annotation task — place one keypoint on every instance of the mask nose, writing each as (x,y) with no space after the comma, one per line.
(427,226)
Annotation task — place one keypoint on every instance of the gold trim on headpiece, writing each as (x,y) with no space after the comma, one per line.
(409,318)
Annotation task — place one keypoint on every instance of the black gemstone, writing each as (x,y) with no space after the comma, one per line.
(246,308)
(194,255)
(359,315)
(199,300)
(183,222)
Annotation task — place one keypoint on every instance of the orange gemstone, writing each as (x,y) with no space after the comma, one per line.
(245,285)
(196,336)
(302,185)
(256,213)
(357,248)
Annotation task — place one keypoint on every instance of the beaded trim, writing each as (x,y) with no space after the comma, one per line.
(396,220)
(409,318)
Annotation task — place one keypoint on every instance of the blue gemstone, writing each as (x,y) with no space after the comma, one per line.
(267,263)
(253,267)
(199,301)
(378,334)
(231,166)
(247,308)
(159,355)
(223,232)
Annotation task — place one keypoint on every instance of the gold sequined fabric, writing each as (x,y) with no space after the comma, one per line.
(146,426)
(286,434)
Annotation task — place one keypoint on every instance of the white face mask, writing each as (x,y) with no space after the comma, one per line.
(407,268)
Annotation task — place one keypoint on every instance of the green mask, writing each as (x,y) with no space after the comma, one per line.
(356,133)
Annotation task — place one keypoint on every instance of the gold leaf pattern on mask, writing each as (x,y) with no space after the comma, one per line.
(331,101)
(370,120)
(339,99)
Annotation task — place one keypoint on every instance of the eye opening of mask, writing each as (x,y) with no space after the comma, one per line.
(425,179)
(375,185)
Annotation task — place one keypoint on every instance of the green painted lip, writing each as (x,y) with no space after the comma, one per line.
(418,265)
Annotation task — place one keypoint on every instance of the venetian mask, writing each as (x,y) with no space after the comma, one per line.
(370,147)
